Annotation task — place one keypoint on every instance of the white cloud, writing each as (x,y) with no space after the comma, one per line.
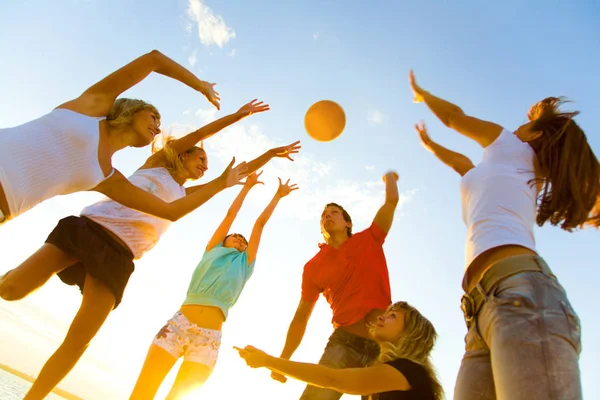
(369,167)
(316,35)
(375,117)
(206,116)
(231,53)
(211,27)
(193,59)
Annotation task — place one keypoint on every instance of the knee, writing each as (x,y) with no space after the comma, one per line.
(9,291)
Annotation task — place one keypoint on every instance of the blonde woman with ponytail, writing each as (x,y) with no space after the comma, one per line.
(96,250)
(70,149)
(403,370)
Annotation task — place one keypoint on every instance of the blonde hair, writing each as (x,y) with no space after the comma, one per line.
(415,343)
(173,161)
(123,110)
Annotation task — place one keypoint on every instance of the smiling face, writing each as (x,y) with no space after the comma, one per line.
(236,241)
(195,163)
(146,125)
(389,326)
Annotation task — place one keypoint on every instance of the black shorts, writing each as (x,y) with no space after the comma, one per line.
(99,255)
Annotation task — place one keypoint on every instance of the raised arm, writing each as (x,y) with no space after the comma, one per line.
(282,191)
(223,229)
(358,381)
(385,215)
(98,99)
(483,132)
(192,139)
(454,160)
(283,152)
(122,191)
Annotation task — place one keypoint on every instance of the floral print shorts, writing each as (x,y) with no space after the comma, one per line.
(182,338)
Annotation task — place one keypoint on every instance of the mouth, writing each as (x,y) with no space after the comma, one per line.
(201,170)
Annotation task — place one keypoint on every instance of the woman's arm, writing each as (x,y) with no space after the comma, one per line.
(283,152)
(359,381)
(223,229)
(97,100)
(259,225)
(190,140)
(458,162)
(483,132)
(119,189)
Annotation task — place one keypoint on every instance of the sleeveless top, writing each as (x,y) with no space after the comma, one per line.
(138,230)
(219,278)
(56,154)
(498,200)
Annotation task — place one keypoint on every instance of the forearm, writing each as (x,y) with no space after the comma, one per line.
(442,109)
(259,162)
(391,191)
(190,202)
(191,139)
(268,212)
(238,201)
(166,66)
(314,374)
(293,339)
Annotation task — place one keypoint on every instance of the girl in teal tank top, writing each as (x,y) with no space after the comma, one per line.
(194,332)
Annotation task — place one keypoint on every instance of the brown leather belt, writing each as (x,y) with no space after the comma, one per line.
(471,302)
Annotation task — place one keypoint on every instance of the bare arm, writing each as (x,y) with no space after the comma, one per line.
(283,152)
(297,328)
(458,162)
(264,217)
(223,229)
(385,215)
(483,132)
(358,381)
(192,139)
(98,99)
(122,191)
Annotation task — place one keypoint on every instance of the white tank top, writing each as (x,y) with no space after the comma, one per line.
(139,231)
(56,154)
(498,202)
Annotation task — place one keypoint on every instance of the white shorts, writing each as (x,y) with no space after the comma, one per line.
(182,338)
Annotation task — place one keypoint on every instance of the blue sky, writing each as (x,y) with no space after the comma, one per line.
(494,62)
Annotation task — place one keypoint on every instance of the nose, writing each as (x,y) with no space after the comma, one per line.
(380,318)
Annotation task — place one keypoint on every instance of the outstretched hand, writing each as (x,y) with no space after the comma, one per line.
(253,107)
(287,151)
(423,135)
(254,357)
(391,175)
(208,90)
(252,180)
(285,188)
(416,89)
(232,175)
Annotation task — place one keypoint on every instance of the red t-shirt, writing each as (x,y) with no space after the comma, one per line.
(354,278)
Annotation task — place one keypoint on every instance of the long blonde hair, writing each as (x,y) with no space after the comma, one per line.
(415,343)
(173,160)
(123,109)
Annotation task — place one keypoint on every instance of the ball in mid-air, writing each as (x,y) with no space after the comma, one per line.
(325,120)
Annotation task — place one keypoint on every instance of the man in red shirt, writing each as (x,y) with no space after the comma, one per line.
(351,272)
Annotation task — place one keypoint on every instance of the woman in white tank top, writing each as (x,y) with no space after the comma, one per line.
(96,250)
(523,339)
(78,139)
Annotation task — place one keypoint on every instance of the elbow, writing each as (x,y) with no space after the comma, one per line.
(154,57)
(453,118)
(172,214)
(392,200)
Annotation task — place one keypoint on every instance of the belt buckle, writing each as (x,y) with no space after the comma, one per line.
(467,305)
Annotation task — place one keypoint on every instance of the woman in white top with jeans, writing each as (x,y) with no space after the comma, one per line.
(70,149)
(523,339)
(96,250)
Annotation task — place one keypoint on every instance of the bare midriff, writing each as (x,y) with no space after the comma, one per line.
(361,328)
(485,260)
(204,316)
(4,203)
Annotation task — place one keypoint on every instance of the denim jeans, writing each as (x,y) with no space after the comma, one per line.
(344,350)
(523,343)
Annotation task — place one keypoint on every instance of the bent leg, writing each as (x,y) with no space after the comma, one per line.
(34,272)
(98,301)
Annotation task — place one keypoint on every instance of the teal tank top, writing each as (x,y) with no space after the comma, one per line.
(219,278)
